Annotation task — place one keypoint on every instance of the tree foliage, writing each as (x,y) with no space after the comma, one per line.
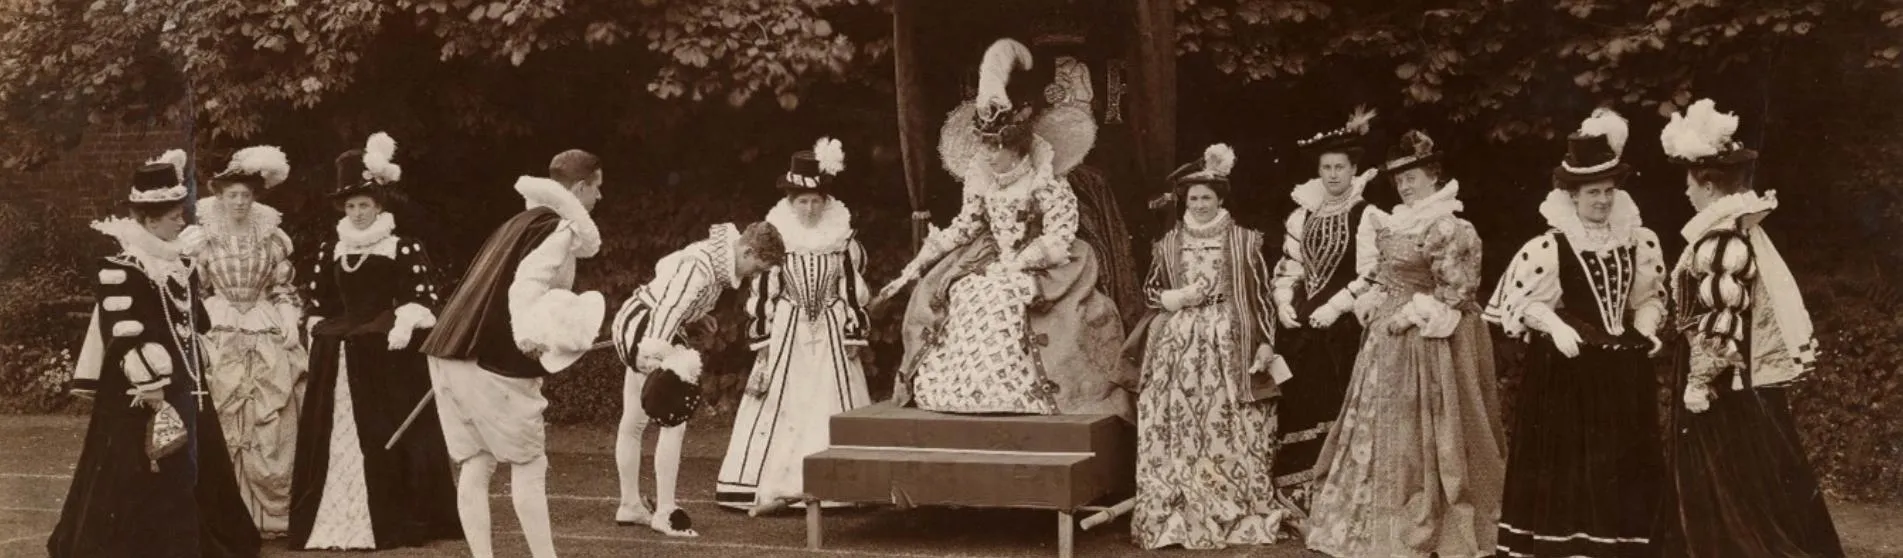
(1504,64)
(232,65)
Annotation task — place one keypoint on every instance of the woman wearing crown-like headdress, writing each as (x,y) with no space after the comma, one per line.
(371,304)
(257,361)
(1206,403)
(1415,463)
(1740,483)
(1009,271)
(153,478)
(807,321)
(1588,295)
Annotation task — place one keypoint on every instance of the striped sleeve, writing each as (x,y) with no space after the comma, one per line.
(677,283)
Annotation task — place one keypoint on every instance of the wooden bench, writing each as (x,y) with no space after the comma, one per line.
(908,457)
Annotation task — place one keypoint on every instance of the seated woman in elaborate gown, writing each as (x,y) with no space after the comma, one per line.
(1007,317)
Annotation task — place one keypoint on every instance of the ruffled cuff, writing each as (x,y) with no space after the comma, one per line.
(1536,315)
(409,318)
(1434,318)
(560,322)
(1342,303)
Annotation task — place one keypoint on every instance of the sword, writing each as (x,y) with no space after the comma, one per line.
(431,396)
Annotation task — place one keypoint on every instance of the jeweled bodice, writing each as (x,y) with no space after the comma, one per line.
(812,280)
(242,265)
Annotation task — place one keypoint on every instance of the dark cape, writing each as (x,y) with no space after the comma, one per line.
(475,324)
(121,503)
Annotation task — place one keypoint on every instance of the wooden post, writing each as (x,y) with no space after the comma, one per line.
(1066,530)
(812,524)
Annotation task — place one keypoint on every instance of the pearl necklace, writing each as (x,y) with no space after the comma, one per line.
(344,262)
(187,345)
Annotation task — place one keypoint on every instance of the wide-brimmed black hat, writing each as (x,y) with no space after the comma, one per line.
(1702,137)
(1212,168)
(1595,151)
(813,170)
(160,180)
(1349,138)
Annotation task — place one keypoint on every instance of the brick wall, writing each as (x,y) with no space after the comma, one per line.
(89,180)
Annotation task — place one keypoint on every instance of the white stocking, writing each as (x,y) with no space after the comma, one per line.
(628,449)
(472,503)
(667,466)
(530,491)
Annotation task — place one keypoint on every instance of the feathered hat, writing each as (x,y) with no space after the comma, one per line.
(1596,151)
(814,170)
(1701,137)
(1007,99)
(258,166)
(367,170)
(672,392)
(160,180)
(1212,168)
(1346,139)
(1414,149)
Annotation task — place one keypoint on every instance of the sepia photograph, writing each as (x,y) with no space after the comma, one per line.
(951,278)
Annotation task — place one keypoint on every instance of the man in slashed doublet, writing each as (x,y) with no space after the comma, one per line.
(513,322)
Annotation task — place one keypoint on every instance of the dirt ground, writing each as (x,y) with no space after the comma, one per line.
(36,467)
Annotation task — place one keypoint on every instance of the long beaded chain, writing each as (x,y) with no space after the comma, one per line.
(187,346)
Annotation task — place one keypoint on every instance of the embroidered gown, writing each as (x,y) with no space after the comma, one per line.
(144,335)
(1740,485)
(982,337)
(1204,452)
(257,362)
(803,315)
(1328,252)
(1414,464)
(349,492)
(1584,460)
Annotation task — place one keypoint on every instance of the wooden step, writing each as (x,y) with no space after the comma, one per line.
(888,425)
(972,478)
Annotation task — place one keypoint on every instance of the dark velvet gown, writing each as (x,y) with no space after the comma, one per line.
(408,491)
(1321,360)
(121,503)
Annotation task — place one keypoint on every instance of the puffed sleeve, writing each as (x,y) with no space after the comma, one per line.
(853,292)
(1455,250)
(1647,300)
(546,317)
(963,228)
(1723,269)
(1291,269)
(677,282)
(419,297)
(283,289)
(763,295)
(1058,205)
(129,339)
(1529,288)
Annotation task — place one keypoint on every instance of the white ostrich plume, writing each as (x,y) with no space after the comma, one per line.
(831,155)
(1606,122)
(377,154)
(684,362)
(1004,56)
(1700,132)
(1219,159)
(265,161)
(174,157)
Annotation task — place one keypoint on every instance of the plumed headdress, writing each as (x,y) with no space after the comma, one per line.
(1596,151)
(813,170)
(1702,137)
(160,180)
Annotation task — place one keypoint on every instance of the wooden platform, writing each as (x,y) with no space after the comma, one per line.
(909,457)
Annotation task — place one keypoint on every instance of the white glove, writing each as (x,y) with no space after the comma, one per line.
(1325,316)
(399,337)
(1565,338)
(1698,398)
(1286,314)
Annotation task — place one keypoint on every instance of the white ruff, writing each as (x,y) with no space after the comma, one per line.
(981,180)
(1562,214)
(542,192)
(1724,212)
(160,258)
(1313,196)
(375,239)
(825,237)
(1410,217)
(261,219)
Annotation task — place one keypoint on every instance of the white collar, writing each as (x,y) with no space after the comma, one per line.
(1220,219)
(1313,197)
(160,258)
(1562,214)
(1723,213)
(829,235)
(1441,203)
(542,192)
(351,240)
